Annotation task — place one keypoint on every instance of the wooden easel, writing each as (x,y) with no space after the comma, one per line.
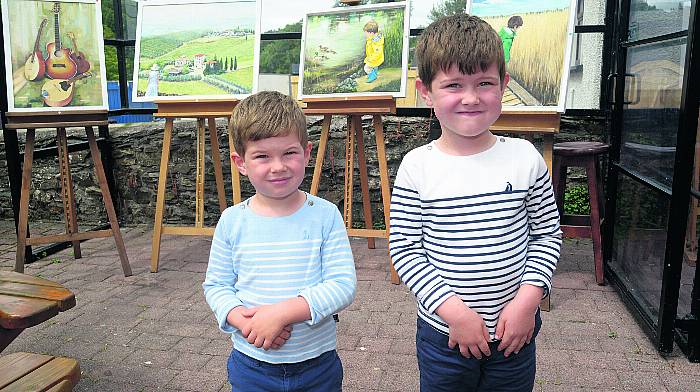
(528,124)
(61,121)
(354,108)
(201,110)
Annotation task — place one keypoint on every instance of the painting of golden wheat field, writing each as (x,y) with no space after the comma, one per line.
(54,55)
(537,37)
(355,51)
(196,49)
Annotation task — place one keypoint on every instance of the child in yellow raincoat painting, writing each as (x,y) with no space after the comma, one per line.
(374,50)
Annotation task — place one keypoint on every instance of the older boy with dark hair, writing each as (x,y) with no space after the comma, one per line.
(280,263)
(474,225)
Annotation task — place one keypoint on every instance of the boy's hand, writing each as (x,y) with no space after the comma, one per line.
(516,323)
(266,324)
(240,317)
(467,328)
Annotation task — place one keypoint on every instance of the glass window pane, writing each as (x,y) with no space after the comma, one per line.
(650,116)
(639,241)
(287,16)
(111,63)
(424,12)
(129,11)
(583,89)
(280,56)
(651,18)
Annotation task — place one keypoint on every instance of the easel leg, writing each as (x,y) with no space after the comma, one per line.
(349,171)
(235,175)
(216,157)
(548,149)
(107,198)
(199,183)
(364,180)
(320,153)
(384,181)
(67,193)
(24,201)
(160,196)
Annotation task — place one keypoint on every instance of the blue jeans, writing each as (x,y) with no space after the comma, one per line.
(321,374)
(445,369)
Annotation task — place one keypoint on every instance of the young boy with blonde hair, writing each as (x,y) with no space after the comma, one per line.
(280,263)
(474,227)
(374,50)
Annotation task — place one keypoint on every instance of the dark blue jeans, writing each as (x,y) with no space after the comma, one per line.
(445,369)
(321,374)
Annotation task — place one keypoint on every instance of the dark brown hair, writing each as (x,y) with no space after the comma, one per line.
(461,40)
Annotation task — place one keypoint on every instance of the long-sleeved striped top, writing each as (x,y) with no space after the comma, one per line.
(257,260)
(477,226)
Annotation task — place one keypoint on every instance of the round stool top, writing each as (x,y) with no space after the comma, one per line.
(580,148)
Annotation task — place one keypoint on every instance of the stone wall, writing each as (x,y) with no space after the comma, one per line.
(136,151)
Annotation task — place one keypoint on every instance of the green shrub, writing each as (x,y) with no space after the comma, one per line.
(576,200)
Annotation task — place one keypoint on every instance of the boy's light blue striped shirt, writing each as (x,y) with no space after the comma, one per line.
(257,260)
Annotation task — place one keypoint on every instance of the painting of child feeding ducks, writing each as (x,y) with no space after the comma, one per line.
(196,49)
(355,51)
(538,67)
(54,55)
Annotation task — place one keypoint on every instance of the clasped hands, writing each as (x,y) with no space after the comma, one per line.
(262,326)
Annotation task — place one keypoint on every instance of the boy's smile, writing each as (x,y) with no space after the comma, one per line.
(466,105)
(275,167)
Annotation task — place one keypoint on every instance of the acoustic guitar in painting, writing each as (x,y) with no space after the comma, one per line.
(59,64)
(59,92)
(78,57)
(35,66)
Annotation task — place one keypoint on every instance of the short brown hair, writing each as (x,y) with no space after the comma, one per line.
(463,40)
(371,27)
(264,115)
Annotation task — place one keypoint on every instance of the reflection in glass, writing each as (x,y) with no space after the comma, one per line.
(129,11)
(651,18)
(280,56)
(287,16)
(652,101)
(583,88)
(639,241)
(424,12)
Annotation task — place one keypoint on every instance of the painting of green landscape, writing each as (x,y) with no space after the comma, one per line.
(355,51)
(188,49)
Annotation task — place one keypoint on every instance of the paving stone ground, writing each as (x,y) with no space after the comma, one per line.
(154,331)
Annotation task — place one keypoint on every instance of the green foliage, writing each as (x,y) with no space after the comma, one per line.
(393,43)
(576,200)
(449,7)
(278,56)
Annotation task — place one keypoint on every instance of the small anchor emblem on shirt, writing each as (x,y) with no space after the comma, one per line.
(509,188)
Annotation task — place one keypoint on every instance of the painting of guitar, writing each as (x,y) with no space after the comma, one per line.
(59,92)
(59,64)
(78,57)
(35,66)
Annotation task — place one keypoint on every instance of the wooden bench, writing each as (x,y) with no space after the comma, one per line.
(38,372)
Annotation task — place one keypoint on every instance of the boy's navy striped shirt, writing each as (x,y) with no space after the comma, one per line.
(477,226)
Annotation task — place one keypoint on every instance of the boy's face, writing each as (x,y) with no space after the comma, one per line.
(369,34)
(466,105)
(275,166)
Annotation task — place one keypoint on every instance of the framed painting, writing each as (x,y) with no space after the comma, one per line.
(54,55)
(538,67)
(354,51)
(196,49)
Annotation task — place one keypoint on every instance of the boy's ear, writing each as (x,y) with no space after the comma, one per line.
(504,82)
(423,91)
(239,162)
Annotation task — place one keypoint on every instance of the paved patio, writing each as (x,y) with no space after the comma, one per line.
(155,331)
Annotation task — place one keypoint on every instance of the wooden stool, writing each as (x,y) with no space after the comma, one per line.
(581,154)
